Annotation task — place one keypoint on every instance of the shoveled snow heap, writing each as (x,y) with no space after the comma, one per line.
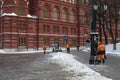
(81,71)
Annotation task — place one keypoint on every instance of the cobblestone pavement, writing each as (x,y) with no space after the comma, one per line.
(30,67)
(110,69)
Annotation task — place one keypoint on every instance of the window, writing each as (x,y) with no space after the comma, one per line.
(85,31)
(73,31)
(46,28)
(22,27)
(46,12)
(46,41)
(22,41)
(0,41)
(67,30)
(73,42)
(70,1)
(64,15)
(56,40)
(63,29)
(0,9)
(83,18)
(84,2)
(73,1)
(56,29)
(21,9)
(71,16)
(55,14)
(64,42)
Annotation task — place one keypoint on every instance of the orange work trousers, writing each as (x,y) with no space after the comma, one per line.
(101,56)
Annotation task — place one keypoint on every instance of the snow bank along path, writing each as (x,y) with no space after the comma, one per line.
(81,71)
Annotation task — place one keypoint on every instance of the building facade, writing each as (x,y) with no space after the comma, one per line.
(28,24)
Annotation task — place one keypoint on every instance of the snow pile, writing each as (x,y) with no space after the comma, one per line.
(1,51)
(81,71)
(109,49)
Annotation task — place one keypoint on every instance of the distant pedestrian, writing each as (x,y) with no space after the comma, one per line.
(101,52)
(78,46)
(68,48)
(44,49)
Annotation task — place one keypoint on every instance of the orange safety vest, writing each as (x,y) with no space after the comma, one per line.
(68,46)
(101,47)
(101,51)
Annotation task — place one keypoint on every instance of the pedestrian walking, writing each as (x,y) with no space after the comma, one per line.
(101,52)
(44,49)
(78,46)
(68,48)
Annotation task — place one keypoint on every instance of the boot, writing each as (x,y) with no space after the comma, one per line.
(103,61)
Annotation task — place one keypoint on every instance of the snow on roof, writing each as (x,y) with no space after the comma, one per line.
(13,14)
(29,15)
(9,14)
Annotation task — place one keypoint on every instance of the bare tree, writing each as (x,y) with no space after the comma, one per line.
(114,8)
(101,17)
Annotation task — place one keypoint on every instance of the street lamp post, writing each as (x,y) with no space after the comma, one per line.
(78,24)
(94,35)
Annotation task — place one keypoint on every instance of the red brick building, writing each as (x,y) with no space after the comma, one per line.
(28,24)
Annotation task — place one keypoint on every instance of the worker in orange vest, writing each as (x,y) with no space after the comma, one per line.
(44,49)
(101,52)
(68,48)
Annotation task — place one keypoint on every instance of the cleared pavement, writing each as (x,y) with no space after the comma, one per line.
(110,69)
(30,67)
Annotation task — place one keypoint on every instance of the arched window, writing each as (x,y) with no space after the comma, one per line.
(73,1)
(21,9)
(55,14)
(73,42)
(83,18)
(72,17)
(46,41)
(64,15)
(46,12)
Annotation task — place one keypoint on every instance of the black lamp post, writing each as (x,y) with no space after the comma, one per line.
(94,35)
(78,24)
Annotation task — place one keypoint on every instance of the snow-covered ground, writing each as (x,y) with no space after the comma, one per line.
(79,70)
(109,49)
